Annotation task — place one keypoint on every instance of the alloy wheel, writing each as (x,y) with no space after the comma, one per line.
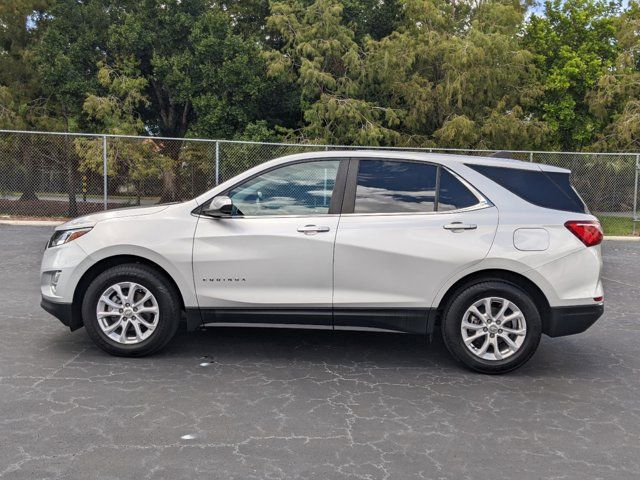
(127,313)
(493,328)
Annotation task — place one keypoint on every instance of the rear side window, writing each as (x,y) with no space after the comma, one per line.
(544,189)
(385,186)
(394,186)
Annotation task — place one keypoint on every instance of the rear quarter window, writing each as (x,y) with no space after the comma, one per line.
(453,195)
(544,189)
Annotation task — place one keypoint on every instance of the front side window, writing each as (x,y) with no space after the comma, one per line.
(386,186)
(297,189)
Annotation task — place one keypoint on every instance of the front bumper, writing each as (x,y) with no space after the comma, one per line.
(571,320)
(63,312)
(68,260)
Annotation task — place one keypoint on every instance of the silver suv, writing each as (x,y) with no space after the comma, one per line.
(493,252)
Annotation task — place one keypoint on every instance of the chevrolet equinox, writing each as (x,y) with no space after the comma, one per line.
(493,252)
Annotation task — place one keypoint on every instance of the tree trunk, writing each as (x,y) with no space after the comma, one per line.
(30,171)
(174,120)
(170,187)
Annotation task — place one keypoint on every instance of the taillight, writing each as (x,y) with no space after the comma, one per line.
(588,231)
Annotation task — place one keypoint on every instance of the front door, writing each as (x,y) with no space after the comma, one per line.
(274,257)
(406,228)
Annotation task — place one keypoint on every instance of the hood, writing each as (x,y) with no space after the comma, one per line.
(92,219)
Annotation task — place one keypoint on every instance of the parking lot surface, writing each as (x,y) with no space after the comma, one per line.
(269,404)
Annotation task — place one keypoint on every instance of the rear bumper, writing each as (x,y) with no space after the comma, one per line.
(571,320)
(63,312)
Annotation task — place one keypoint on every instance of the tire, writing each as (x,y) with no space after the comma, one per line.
(161,312)
(481,325)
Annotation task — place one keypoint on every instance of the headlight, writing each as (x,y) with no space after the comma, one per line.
(65,236)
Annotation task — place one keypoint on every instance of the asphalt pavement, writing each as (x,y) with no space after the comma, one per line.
(233,403)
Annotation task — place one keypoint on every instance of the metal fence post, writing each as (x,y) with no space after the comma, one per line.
(635,195)
(217,163)
(104,170)
(531,157)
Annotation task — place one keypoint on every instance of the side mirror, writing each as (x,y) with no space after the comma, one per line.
(219,207)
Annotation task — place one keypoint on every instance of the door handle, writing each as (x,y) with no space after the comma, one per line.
(313,229)
(457,226)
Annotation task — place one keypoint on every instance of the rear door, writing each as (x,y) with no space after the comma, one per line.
(406,227)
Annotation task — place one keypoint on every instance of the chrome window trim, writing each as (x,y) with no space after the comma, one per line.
(478,206)
(483,202)
(246,217)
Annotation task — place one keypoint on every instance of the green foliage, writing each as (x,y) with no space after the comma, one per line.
(372,72)
(67,57)
(455,78)
(375,18)
(615,101)
(233,88)
(203,72)
(9,110)
(117,113)
(21,104)
(574,43)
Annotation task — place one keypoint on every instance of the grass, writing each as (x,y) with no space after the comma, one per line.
(617,225)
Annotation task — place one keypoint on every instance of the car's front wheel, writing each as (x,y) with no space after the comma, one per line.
(492,327)
(131,310)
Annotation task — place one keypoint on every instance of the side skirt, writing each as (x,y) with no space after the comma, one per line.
(405,320)
(418,321)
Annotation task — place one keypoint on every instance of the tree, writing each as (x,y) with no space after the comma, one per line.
(452,75)
(615,101)
(574,44)
(320,55)
(116,112)
(232,88)
(72,45)
(372,18)
(372,72)
(21,105)
(467,81)
(204,77)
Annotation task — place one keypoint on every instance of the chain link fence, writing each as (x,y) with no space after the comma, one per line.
(57,175)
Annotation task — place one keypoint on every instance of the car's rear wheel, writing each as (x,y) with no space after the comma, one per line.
(492,327)
(131,310)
